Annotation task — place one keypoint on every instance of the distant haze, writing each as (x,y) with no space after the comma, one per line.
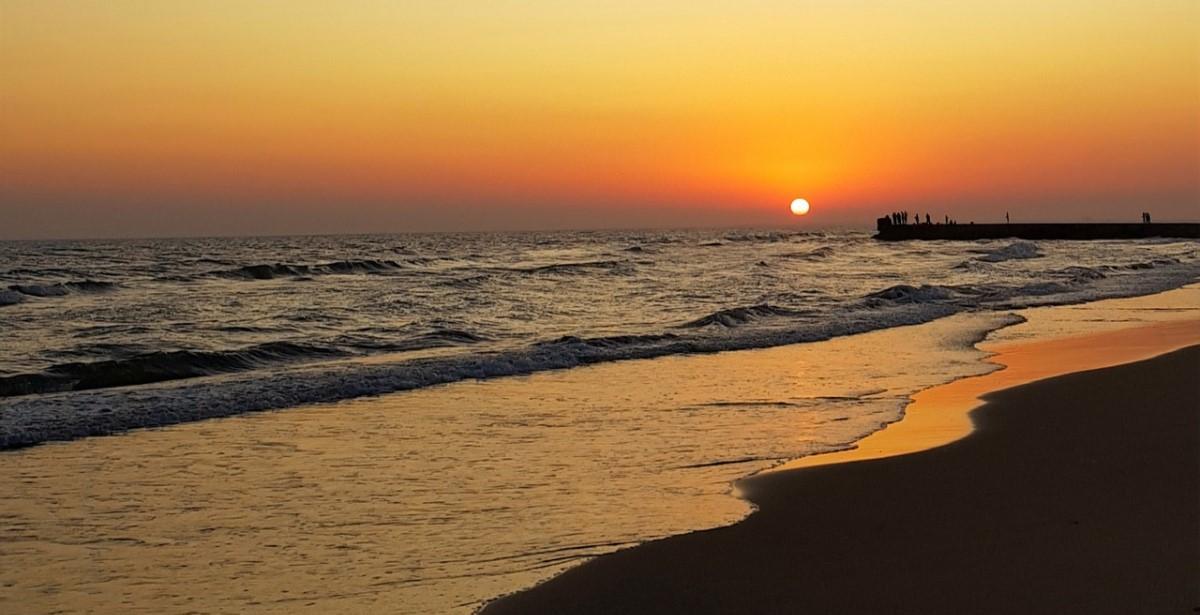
(129,118)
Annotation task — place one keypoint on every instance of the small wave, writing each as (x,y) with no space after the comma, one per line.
(62,288)
(747,404)
(733,317)
(814,254)
(572,268)
(284,270)
(974,266)
(903,293)
(453,336)
(156,367)
(1013,251)
(1150,264)
(766,237)
(1081,274)
(90,286)
(612,341)
(10,297)
(40,290)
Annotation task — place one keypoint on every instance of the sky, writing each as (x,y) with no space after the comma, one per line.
(123,118)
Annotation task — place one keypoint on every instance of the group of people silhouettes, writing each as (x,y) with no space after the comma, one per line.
(1146,217)
(902,217)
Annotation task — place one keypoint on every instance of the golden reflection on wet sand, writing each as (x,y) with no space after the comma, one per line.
(940,415)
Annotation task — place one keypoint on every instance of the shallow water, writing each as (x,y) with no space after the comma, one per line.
(435,500)
(105,336)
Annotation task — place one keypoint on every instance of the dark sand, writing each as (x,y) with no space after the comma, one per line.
(1077,494)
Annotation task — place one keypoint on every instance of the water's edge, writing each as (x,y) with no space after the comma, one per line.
(988,357)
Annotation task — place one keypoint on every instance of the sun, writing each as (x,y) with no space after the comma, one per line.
(799,207)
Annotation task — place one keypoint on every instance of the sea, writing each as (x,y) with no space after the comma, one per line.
(422,422)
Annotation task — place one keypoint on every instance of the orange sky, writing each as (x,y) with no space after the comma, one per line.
(123,118)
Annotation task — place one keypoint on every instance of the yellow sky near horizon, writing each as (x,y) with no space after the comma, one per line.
(511,113)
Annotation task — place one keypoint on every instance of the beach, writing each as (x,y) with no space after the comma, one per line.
(1076,493)
(425,308)
(441,499)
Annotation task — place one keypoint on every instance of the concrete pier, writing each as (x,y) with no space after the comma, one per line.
(966,232)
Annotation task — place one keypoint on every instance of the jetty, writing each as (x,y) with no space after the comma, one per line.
(887,231)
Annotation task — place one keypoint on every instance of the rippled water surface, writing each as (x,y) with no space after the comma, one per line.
(282,321)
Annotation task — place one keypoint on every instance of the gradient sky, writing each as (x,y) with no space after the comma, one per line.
(151,118)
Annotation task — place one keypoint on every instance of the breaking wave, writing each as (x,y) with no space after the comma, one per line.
(61,289)
(156,367)
(151,367)
(17,293)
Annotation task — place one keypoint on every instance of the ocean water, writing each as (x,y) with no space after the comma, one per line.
(104,336)
(402,473)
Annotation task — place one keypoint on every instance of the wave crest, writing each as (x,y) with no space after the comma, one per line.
(574,268)
(62,288)
(1013,251)
(157,367)
(903,293)
(733,317)
(286,270)
(10,297)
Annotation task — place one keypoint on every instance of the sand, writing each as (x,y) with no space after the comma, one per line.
(1075,494)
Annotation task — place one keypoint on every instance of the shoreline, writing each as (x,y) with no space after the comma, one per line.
(941,414)
(587,451)
(780,566)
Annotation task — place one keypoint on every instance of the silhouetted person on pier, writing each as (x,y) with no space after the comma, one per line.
(927,219)
(1006,220)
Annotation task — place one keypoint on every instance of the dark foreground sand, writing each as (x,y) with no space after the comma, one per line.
(1077,494)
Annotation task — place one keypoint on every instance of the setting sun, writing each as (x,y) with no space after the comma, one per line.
(437,308)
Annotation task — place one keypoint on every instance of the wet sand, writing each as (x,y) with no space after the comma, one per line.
(1074,494)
